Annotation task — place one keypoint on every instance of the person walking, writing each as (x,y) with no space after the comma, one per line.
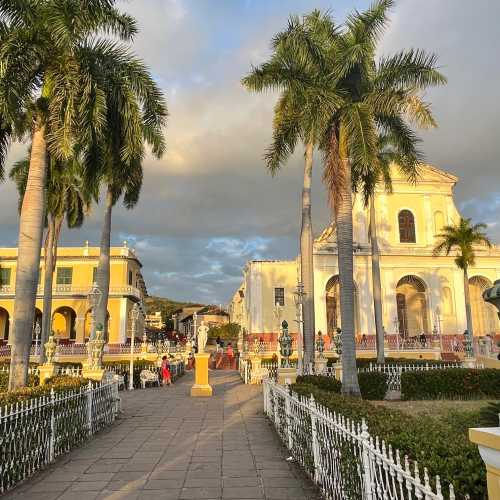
(165,371)
(230,355)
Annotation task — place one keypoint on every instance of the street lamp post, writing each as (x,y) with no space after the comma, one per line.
(298,297)
(94,299)
(134,315)
(38,350)
(193,334)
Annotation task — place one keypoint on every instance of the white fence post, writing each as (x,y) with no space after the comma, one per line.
(52,439)
(288,420)
(314,435)
(367,475)
(89,407)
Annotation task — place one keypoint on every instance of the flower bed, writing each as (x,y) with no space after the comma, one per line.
(440,444)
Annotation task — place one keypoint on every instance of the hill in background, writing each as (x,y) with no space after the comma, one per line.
(166,306)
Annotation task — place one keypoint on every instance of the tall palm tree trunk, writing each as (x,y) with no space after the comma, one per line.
(28,259)
(54,231)
(468,310)
(47,287)
(102,275)
(306,259)
(343,216)
(376,284)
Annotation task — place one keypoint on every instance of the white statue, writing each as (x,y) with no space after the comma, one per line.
(202,337)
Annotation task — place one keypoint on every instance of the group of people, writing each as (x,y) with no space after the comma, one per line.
(166,375)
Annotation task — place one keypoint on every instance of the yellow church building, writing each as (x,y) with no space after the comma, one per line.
(421,293)
(73,279)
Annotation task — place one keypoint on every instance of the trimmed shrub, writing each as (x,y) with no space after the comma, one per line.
(321,381)
(439,443)
(451,383)
(4,381)
(58,383)
(373,386)
(490,414)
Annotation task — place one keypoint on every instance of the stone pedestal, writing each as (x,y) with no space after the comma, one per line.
(321,366)
(469,363)
(46,371)
(488,440)
(338,370)
(201,386)
(256,368)
(287,376)
(93,373)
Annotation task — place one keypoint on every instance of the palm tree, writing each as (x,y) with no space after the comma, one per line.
(390,152)
(47,90)
(378,97)
(301,114)
(65,199)
(136,115)
(462,237)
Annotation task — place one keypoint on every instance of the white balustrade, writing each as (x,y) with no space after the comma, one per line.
(341,456)
(34,433)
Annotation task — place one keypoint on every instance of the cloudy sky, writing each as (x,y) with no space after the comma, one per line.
(209,205)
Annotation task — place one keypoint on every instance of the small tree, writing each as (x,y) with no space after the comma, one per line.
(462,238)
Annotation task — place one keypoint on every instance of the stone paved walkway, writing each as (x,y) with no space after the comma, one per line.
(170,446)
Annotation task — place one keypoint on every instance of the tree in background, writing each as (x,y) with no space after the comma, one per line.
(229,331)
(47,91)
(377,97)
(300,115)
(461,238)
(65,200)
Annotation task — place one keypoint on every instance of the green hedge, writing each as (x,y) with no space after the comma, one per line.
(439,443)
(4,381)
(373,386)
(451,383)
(59,383)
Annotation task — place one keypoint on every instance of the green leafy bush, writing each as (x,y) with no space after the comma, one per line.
(451,383)
(439,443)
(59,383)
(490,414)
(321,381)
(373,386)
(4,381)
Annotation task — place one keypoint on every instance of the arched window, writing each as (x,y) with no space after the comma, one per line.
(406,223)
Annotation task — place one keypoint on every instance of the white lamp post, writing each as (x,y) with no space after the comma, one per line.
(38,350)
(94,298)
(195,319)
(134,315)
(298,299)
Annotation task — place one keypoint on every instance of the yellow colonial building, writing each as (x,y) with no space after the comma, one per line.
(73,278)
(421,293)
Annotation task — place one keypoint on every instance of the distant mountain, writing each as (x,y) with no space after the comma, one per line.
(166,306)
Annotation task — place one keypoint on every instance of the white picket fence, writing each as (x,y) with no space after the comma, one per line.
(394,371)
(34,433)
(340,455)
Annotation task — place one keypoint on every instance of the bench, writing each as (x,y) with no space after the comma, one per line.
(147,376)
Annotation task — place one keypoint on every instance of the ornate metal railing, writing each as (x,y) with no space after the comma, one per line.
(340,455)
(34,433)
(77,290)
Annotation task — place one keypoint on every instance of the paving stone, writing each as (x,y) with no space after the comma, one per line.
(243,492)
(163,484)
(173,447)
(205,493)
